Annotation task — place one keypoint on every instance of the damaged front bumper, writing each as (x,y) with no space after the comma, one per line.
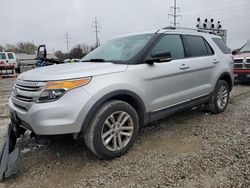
(63,116)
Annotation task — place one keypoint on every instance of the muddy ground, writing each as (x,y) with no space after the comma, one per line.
(190,149)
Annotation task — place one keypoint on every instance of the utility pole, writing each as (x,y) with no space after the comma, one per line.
(67,41)
(174,15)
(96,26)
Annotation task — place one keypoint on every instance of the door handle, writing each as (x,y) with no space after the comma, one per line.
(183,67)
(216,61)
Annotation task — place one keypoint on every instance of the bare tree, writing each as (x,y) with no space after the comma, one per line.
(10,48)
(76,52)
(85,48)
(60,55)
(26,47)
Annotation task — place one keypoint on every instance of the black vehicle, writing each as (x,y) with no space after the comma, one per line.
(42,59)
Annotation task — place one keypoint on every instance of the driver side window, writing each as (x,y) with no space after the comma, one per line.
(172,44)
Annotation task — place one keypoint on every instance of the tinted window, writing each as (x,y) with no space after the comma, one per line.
(2,56)
(172,44)
(197,46)
(10,56)
(209,49)
(221,44)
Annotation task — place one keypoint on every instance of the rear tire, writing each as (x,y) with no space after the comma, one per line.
(113,130)
(219,100)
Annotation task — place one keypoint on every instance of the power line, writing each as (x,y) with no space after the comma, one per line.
(67,41)
(96,26)
(174,15)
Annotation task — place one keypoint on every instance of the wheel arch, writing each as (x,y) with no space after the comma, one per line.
(226,77)
(124,95)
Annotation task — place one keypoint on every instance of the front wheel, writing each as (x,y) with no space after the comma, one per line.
(219,100)
(113,130)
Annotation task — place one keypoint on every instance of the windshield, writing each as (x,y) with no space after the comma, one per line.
(120,49)
(245,48)
(2,56)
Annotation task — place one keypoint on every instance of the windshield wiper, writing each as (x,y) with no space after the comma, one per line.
(245,51)
(94,60)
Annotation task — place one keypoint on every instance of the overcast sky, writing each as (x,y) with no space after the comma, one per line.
(47,21)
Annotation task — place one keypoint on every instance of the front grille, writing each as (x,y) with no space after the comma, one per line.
(238,60)
(27,91)
(238,65)
(248,60)
(247,65)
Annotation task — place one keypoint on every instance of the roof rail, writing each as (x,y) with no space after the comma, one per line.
(191,29)
(169,27)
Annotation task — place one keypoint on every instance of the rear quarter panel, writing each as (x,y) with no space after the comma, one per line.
(225,65)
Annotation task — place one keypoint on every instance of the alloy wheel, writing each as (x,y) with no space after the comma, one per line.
(222,97)
(117,131)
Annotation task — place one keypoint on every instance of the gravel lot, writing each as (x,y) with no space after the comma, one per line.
(190,149)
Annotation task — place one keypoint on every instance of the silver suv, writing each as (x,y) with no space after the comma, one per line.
(122,85)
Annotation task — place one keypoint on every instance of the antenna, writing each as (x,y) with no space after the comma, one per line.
(174,15)
(210,26)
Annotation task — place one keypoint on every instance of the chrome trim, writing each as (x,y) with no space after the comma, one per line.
(27,91)
(27,88)
(29,83)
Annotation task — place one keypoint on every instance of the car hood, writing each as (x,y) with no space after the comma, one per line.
(71,71)
(242,55)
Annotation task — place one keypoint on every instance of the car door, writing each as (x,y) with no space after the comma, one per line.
(11,58)
(165,84)
(202,62)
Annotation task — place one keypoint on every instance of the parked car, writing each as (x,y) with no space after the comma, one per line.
(242,63)
(122,85)
(9,58)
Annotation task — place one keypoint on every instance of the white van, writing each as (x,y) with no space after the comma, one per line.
(8,58)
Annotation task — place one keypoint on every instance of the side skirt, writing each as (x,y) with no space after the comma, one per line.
(177,108)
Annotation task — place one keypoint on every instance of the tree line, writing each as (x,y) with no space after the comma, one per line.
(77,52)
(20,47)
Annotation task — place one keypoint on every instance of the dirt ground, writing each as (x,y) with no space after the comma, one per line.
(190,149)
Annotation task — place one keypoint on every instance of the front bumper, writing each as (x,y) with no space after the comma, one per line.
(242,73)
(63,116)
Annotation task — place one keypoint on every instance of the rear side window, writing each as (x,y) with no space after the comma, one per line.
(10,56)
(221,44)
(209,49)
(197,46)
(172,44)
(2,56)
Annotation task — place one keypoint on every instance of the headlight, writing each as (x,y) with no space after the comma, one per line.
(54,90)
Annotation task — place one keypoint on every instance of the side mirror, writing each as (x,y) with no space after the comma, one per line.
(159,57)
(234,52)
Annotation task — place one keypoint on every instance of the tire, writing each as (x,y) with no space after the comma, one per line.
(113,130)
(18,70)
(12,141)
(219,100)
